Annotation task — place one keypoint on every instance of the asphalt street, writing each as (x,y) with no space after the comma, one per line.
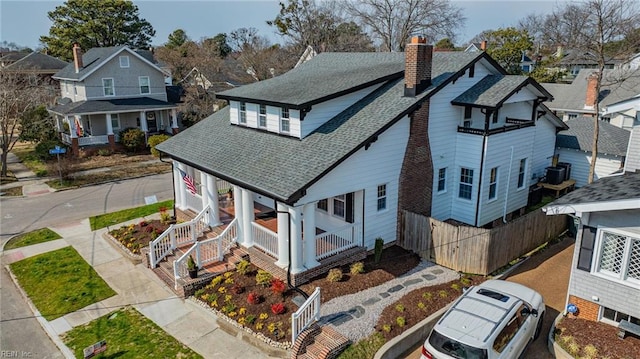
(21,336)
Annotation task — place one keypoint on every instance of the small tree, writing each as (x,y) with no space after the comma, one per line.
(132,139)
(154,141)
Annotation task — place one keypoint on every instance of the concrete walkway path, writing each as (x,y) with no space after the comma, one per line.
(139,287)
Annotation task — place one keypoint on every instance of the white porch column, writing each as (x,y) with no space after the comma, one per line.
(177,183)
(238,204)
(247,214)
(296,240)
(309,235)
(182,188)
(174,119)
(143,122)
(212,193)
(109,124)
(283,235)
(204,198)
(72,126)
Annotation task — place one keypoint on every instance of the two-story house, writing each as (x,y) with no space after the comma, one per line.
(324,157)
(110,89)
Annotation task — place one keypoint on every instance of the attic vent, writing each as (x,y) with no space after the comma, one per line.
(494,295)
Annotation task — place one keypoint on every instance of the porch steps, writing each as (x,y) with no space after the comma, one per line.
(319,342)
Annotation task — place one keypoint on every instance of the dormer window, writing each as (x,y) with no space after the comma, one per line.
(143,81)
(124,62)
(262,118)
(107,87)
(243,113)
(284,120)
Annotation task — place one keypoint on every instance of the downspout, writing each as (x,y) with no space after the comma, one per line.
(173,185)
(506,196)
(479,199)
(291,286)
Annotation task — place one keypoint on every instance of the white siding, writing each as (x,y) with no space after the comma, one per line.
(444,120)
(544,149)
(294,123)
(580,162)
(632,161)
(498,154)
(322,112)
(365,170)
(273,117)
(522,95)
(233,111)
(252,114)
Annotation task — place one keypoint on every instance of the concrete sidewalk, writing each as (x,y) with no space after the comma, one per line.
(139,287)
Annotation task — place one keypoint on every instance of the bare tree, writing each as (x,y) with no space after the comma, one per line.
(393,22)
(19,94)
(260,58)
(591,26)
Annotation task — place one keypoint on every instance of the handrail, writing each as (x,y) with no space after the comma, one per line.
(307,314)
(207,251)
(265,239)
(177,235)
(330,243)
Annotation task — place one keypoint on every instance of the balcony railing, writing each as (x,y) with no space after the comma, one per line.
(265,239)
(336,241)
(516,124)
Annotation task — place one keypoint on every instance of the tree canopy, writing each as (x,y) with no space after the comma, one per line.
(177,38)
(95,23)
(507,46)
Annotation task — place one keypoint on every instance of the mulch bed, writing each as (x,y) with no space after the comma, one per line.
(421,303)
(394,262)
(136,236)
(601,335)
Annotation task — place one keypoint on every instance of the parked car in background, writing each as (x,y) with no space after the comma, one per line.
(494,320)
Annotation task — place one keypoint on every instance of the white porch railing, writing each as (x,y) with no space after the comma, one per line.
(93,140)
(308,313)
(223,186)
(66,138)
(265,239)
(207,251)
(336,241)
(177,235)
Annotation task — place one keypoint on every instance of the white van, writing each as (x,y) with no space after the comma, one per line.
(494,320)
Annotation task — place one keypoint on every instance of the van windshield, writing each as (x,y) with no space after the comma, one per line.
(454,348)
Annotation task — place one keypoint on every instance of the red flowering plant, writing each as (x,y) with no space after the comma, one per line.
(254,298)
(278,308)
(278,286)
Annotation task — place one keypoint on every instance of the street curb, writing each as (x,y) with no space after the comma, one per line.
(43,322)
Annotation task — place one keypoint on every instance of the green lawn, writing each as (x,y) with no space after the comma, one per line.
(109,219)
(128,335)
(34,237)
(60,282)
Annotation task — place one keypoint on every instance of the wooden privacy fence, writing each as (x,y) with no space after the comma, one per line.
(477,250)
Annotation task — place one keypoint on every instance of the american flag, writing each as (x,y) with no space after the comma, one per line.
(189,182)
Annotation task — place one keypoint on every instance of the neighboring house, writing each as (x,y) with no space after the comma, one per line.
(107,90)
(41,65)
(633,63)
(527,64)
(9,57)
(574,60)
(330,152)
(605,271)
(575,146)
(625,112)
(579,98)
(476,47)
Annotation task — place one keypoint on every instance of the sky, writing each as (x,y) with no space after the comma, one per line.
(24,21)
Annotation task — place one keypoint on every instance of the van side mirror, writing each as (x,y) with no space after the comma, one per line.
(534,312)
(526,311)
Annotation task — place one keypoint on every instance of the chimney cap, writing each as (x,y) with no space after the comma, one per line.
(418,40)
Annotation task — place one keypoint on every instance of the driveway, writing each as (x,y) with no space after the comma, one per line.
(548,273)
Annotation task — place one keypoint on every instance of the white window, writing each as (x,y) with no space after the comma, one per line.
(442,180)
(262,118)
(124,61)
(323,205)
(284,120)
(339,206)
(466,183)
(115,121)
(619,256)
(243,113)
(522,172)
(493,183)
(143,81)
(382,197)
(107,87)
(573,115)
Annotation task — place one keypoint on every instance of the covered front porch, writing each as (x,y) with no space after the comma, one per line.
(304,240)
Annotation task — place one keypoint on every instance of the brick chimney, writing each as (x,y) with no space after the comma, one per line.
(417,69)
(592,94)
(483,45)
(77,57)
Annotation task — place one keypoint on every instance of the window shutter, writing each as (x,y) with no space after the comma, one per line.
(349,207)
(586,248)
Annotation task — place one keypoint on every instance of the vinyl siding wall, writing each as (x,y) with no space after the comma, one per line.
(580,162)
(632,161)
(544,149)
(125,80)
(364,171)
(273,118)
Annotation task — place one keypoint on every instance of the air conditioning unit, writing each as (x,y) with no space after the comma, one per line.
(555,175)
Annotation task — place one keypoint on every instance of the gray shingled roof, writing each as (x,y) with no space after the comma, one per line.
(493,90)
(38,61)
(613,188)
(572,96)
(112,105)
(329,74)
(612,140)
(281,167)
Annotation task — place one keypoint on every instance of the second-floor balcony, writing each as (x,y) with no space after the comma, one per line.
(510,124)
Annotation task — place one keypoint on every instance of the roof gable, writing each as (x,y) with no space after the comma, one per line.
(612,140)
(493,90)
(37,61)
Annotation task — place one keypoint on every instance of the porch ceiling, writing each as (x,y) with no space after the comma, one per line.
(112,106)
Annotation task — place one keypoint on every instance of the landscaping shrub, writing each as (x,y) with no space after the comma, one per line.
(278,308)
(378,249)
(334,275)
(263,277)
(254,298)
(278,286)
(243,267)
(155,140)
(42,148)
(133,139)
(356,268)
